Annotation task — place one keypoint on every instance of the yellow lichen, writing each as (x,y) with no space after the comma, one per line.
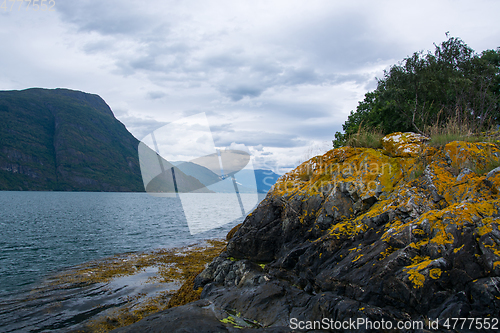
(387,252)
(366,169)
(493,249)
(357,257)
(230,320)
(477,156)
(487,226)
(457,214)
(417,278)
(418,232)
(403,144)
(418,264)
(435,273)
(388,177)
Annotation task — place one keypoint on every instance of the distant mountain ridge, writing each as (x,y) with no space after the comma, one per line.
(66,140)
(248,180)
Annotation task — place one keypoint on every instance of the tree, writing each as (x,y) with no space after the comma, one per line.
(428,88)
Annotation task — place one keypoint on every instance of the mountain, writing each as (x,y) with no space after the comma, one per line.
(407,236)
(203,174)
(265,179)
(65,140)
(248,180)
(161,176)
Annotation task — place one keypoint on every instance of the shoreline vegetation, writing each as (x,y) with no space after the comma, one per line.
(164,277)
(177,265)
(437,136)
(451,94)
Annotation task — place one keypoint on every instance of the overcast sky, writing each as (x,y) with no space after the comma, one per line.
(278,76)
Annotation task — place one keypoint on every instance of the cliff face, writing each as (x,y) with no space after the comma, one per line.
(64,140)
(404,233)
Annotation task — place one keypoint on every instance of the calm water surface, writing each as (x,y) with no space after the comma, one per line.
(45,232)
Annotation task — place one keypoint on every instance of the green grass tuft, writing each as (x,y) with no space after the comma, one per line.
(366,138)
(455,129)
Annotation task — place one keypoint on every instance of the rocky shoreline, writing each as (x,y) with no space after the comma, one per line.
(404,234)
(107,293)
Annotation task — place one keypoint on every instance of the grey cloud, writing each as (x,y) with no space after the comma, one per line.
(156,94)
(140,127)
(104,17)
(371,84)
(222,61)
(280,110)
(192,112)
(165,60)
(148,62)
(226,128)
(236,86)
(357,78)
(267,162)
(293,76)
(323,131)
(255,138)
(252,81)
(240,91)
(98,46)
(332,43)
(234,76)
(152,60)
(342,41)
(258,148)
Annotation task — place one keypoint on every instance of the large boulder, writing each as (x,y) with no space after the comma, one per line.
(370,234)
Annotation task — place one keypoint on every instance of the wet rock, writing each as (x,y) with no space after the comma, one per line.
(485,296)
(197,317)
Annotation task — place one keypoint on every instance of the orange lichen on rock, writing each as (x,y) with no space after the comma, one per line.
(435,273)
(422,197)
(472,155)
(404,144)
(366,172)
(414,271)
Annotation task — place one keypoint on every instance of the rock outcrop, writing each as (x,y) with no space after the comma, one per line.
(407,233)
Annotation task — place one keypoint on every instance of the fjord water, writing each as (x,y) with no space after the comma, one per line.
(45,232)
